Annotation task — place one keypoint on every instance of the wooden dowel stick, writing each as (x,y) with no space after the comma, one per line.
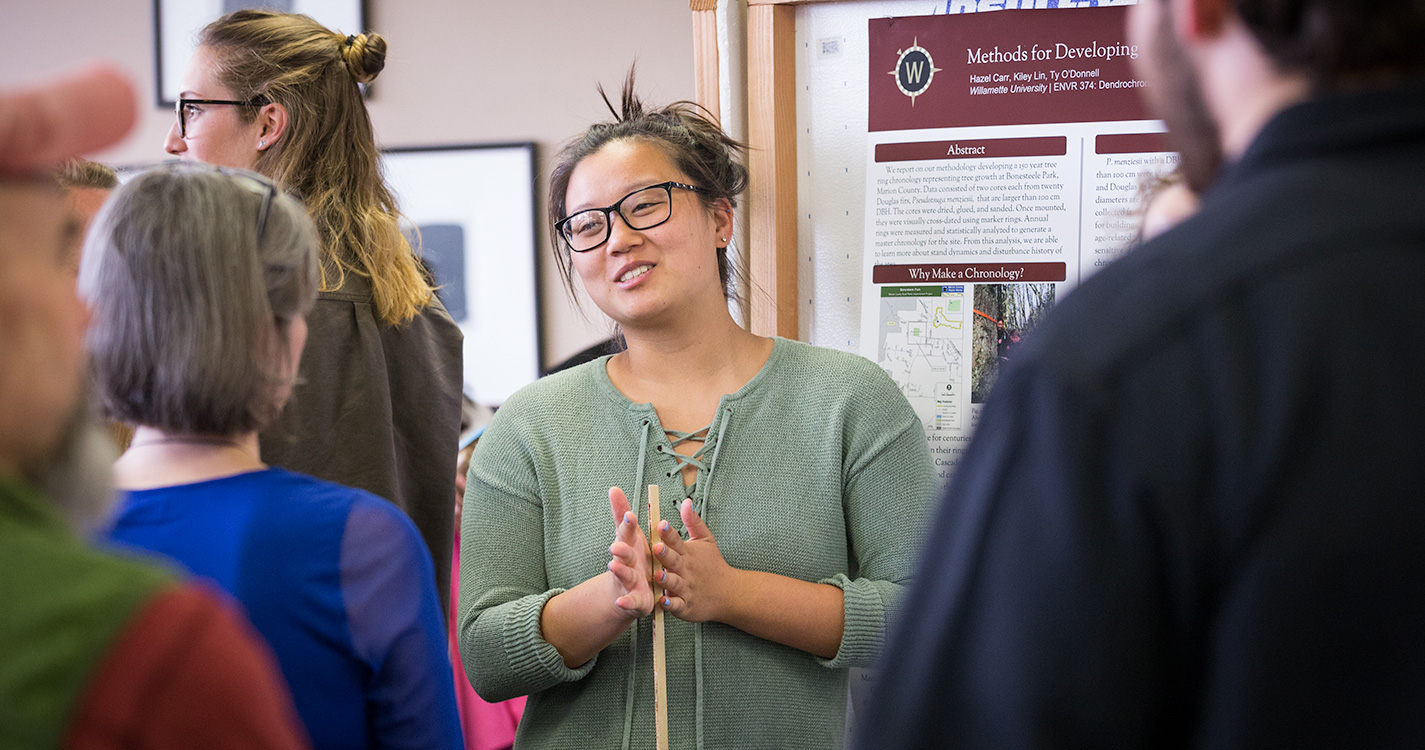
(660,664)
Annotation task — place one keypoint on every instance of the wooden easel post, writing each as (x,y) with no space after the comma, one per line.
(705,55)
(660,661)
(772,161)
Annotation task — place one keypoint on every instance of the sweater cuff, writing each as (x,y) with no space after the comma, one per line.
(531,657)
(864,625)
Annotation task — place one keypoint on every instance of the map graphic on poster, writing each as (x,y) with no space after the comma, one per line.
(1006,155)
(921,345)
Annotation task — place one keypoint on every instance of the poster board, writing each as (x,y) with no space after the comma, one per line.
(475,208)
(1005,157)
(815,167)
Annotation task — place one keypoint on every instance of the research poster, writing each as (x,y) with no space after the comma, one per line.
(1005,158)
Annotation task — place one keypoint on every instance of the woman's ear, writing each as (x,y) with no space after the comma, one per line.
(722,215)
(272,124)
(296,342)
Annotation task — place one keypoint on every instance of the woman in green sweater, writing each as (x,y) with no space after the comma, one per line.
(794,480)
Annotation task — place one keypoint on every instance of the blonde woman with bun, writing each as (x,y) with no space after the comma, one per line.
(377,404)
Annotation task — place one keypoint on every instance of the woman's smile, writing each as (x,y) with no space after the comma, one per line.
(631,274)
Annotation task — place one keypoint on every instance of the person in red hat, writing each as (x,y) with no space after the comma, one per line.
(96,651)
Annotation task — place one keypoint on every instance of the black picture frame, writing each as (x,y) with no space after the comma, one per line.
(477,210)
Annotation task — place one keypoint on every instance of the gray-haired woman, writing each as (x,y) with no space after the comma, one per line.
(200,279)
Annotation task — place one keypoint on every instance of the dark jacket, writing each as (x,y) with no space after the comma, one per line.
(377,407)
(1193,515)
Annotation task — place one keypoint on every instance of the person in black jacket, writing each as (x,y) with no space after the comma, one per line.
(1192,514)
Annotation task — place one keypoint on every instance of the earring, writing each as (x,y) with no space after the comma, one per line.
(262,144)
(724,240)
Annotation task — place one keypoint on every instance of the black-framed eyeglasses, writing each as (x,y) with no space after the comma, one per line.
(644,208)
(181,108)
(257,184)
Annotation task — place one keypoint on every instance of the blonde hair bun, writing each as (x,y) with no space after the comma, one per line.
(364,55)
(328,153)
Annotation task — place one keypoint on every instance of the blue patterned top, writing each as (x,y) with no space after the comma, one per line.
(336,579)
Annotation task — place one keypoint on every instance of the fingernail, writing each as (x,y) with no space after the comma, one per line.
(666,603)
(663,526)
(662,575)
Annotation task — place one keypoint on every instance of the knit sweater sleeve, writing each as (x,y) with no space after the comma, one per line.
(888,488)
(503,581)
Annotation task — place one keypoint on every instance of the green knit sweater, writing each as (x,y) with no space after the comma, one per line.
(817,470)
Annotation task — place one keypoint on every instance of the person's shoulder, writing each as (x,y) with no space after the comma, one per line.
(803,356)
(354,289)
(308,486)
(584,382)
(307,495)
(336,308)
(101,573)
(815,382)
(1132,306)
(182,606)
(373,509)
(349,506)
(187,668)
(530,425)
(1264,221)
(438,319)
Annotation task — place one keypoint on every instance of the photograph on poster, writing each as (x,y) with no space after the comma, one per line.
(1004,315)
(474,209)
(176,25)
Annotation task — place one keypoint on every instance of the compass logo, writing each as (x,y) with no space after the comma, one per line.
(914,70)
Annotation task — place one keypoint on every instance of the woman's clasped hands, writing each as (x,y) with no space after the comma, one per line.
(695,578)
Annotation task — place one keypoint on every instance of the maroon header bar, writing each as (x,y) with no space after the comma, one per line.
(1131,143)
(986,148)
(971,273)
(1009,67)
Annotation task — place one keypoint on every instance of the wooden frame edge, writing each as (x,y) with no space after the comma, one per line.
(706,70)
(772,161)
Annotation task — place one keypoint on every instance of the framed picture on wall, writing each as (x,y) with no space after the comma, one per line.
(176,25)
(474,207)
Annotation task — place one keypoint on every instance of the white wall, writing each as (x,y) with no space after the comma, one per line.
(456,72)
